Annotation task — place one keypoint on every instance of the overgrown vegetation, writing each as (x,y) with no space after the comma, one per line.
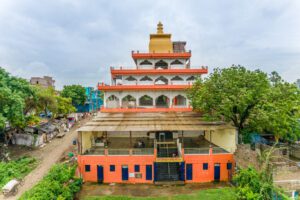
(59,184)
(258,185)
(250,100)
(16,169)
(209,194)
(21,103)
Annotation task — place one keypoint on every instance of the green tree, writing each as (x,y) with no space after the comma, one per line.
(229,94)
(249,99)
(76,93)
(278,111)
(46,100)
(64,105)
(14,92)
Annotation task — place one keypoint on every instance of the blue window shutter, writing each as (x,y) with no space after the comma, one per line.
(136,168)
(87,168)
(112,168)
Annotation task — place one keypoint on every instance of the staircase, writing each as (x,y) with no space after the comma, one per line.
(164,152)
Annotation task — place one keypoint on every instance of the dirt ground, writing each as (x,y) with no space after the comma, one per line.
(143,190)
(48,155)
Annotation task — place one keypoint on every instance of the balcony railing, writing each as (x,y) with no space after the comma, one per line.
(118,152)
(196,150)
(219,150)
(144,151)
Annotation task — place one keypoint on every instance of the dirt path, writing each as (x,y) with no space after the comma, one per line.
(47,156)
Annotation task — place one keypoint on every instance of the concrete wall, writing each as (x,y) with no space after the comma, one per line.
(225,138)
(86,140)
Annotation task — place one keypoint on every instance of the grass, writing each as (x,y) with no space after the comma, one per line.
(209,194)
(18,168)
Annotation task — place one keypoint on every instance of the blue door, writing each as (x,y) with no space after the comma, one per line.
(100,173)
(124,172)
(217,172)
(149,172)
(189,172)
(155,172)
(181,173)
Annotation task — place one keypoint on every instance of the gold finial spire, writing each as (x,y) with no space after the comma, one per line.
(160,28)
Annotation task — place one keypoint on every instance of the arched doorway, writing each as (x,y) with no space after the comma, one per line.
(162,101)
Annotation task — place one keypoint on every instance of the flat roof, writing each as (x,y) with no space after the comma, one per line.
(171,121)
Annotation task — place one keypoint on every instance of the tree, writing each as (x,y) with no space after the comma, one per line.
(76,93)
(64,105)
(249,99)
(229,94)
(13,93)
(46,101)
(278,111)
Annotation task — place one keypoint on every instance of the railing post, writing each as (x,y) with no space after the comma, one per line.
(105,151)
(210,150)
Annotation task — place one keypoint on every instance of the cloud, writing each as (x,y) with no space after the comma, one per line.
(77,41)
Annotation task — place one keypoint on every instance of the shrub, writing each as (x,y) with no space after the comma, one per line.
(59,183)
(16,169)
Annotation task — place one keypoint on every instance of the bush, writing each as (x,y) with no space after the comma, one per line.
(254,185)
(16,169)
(59,183)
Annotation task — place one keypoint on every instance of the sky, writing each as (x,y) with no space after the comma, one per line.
(76,41)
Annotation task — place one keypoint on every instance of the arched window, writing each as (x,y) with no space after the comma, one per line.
(162,101)
(128,102)
(130,78)
(161,81)
(176,62)
(161,65)
(179,100)
(112,102)
(191,78)
(177,78)
(146,78)
(146,62)
(112,98)
(146,101)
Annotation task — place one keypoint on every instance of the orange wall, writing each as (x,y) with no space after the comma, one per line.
(118,161)
(200,175)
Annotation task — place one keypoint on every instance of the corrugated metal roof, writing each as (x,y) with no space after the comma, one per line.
(185,121)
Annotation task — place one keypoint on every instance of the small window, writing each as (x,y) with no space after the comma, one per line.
(205,166)
(229,165)
(87,168)
(112,168)
(136,168)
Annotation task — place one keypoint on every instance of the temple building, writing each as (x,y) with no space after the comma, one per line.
(147,132)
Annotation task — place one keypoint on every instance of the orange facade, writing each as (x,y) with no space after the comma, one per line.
(200,174)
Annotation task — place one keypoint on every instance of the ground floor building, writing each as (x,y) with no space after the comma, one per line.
(155,147)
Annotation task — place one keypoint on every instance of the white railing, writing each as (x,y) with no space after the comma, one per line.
(204,150)
(118,152)
(219,150)
(143,151)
